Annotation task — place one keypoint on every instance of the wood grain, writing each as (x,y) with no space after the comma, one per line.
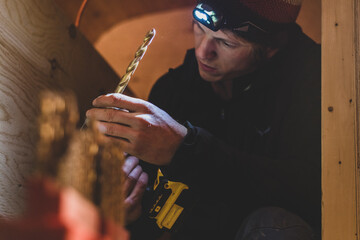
(37,52)
(340,122)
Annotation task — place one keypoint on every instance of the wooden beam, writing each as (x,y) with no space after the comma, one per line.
(357,77)
(340,122)
(38,50)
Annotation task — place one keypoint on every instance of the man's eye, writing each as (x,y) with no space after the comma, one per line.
(227,44)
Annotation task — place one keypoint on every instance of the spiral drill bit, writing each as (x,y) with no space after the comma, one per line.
(134,63)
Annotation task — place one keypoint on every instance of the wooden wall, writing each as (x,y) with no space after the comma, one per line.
(100,15)
(340,119)
(38,50)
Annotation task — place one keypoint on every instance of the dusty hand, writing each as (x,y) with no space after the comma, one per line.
(143,130)
(134,188)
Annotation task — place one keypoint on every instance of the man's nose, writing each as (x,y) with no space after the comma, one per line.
(207,49)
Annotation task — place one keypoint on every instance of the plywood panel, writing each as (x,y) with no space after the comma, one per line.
(37,52)
(340,122)
(99,15)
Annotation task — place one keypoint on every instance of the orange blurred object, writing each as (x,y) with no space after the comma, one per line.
(59,213)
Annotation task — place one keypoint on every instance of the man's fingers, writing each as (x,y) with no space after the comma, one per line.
(138,191)
(110,115)
(115,130)
(120,101)
(130,163)
(132,180)
(132,203)
(137,121)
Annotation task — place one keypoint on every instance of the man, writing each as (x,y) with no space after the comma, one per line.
(238,122)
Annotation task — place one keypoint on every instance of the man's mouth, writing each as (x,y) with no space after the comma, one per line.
(206,68)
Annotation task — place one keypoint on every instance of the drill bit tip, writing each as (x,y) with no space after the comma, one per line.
(135,62)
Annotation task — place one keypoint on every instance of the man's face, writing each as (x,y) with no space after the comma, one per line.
(222,55)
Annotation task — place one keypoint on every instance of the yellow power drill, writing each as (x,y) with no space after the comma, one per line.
(166,208)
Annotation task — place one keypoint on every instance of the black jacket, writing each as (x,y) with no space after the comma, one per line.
(261,148)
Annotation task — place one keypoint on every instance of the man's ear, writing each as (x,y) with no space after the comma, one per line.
(280,39)
(270,52)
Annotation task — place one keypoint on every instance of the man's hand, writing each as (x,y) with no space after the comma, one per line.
(143,130)
(134,188)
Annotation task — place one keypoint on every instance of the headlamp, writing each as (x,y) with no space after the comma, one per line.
(214,20)
(207,16)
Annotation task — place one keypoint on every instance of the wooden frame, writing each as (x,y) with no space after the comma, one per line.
(340,119)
